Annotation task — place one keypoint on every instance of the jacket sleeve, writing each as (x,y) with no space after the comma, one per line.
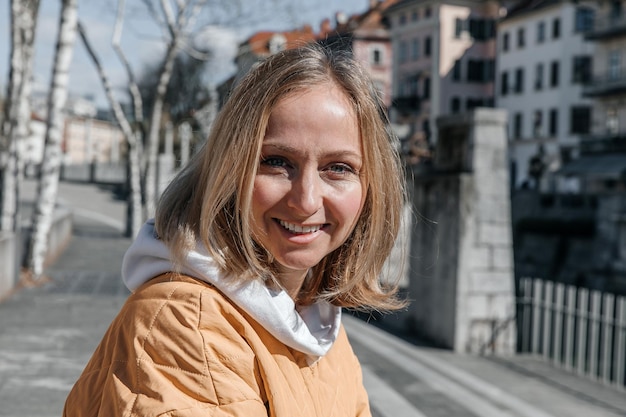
(156,359)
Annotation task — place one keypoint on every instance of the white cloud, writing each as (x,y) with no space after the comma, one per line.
(222,43)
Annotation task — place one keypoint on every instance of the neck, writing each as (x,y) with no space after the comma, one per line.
(292,282)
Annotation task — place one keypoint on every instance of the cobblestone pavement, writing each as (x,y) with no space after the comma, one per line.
(48,332)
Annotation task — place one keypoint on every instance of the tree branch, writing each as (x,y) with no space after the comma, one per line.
(133,88)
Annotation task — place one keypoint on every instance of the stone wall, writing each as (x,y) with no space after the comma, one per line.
(12,248)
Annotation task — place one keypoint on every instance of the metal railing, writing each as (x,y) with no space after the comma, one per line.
(581,330)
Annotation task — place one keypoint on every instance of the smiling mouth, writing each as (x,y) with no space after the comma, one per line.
(297,229)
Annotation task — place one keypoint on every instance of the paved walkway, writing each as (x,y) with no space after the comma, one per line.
(48,333)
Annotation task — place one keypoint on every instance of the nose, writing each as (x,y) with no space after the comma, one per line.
(306,194)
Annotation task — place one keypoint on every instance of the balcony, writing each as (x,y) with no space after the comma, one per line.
(607,27)
(603,144)
(609,84)
(406,104)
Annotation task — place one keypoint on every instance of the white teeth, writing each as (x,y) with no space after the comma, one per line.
(299,229)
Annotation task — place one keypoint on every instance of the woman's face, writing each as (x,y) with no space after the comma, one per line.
(308,191)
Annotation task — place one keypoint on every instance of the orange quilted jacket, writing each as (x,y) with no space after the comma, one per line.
(178,347)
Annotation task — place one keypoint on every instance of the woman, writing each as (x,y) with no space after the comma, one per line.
(284,217)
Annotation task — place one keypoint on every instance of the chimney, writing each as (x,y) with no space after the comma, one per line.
(373,4)
(341,18)
(325,27)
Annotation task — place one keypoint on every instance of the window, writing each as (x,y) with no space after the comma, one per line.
(481,29)
(581,70)
(517,126)
(490,70)
(541,32)
(472,103)
(415,49)
(474,70)
(376,55)
(504,83)
(458,27)
(519,80)
(455,105)
(409,86)
(554,74)
(616,11)
(456,70)
(414,16)
(580,119)
(553,122)
(402,55)
(480,70)
(426,88)
(539,76)
(537,123)
(505,42)
(584,19)
(614,65)
(520,38)
(427,46)
(556,28)
(428,12)
(402,19)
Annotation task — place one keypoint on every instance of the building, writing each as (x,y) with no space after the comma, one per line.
(87,140)
(601,167)
(366,35)
(444,62)
(544,61)
(263,44)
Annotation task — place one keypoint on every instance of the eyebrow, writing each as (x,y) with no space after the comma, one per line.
(297,151)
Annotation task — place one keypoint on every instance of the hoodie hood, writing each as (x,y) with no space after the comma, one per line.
(311,329)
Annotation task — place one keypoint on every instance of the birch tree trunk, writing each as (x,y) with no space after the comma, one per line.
(155,127)
(134,209)
(47,186)
(129,135)
(16,109)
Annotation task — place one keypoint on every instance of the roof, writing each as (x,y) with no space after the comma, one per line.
(367,24)
(259,43)
(526,6)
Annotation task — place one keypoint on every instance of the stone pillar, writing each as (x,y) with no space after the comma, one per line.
(462,276)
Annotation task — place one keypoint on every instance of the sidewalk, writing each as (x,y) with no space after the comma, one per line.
(48,333)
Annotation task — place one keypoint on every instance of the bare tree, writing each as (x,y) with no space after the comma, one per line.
(130,136)
(48,184)
(177,19)
(17,108)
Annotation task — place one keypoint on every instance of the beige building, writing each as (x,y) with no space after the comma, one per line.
(87,140)
(444,53)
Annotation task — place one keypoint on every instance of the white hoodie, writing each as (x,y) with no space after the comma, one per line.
(311,330)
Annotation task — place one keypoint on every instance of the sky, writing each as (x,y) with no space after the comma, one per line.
(141,37)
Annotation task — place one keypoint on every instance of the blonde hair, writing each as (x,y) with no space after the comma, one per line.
(210,199)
